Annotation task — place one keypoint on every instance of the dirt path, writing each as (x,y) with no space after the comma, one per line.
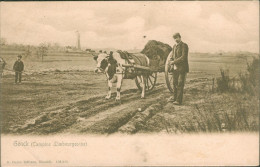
(70,102)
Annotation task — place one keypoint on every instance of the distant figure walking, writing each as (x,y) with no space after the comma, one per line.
(2,67)
(180,68)
(18,68)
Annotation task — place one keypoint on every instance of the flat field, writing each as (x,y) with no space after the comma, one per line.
(62,95)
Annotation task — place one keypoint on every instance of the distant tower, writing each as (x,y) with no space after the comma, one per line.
(78,40)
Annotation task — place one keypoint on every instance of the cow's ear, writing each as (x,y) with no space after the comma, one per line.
(95,57)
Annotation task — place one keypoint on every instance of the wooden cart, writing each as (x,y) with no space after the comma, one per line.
(151,73)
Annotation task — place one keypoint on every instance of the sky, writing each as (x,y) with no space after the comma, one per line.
(206,26)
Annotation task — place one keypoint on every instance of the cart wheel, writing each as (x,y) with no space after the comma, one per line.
(149,83)
(169,74)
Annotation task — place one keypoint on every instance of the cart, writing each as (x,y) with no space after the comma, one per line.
(151,73)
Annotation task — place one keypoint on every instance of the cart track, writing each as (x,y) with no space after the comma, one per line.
(94,115)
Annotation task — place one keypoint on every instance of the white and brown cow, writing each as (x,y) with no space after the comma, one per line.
(112,66)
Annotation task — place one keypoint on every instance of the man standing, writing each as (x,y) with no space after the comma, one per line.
(2,67)
(180,68)
(18,68)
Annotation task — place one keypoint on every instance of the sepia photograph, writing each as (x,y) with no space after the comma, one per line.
(129,83)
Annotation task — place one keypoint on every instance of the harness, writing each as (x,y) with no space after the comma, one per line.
(115,67)
(111,68)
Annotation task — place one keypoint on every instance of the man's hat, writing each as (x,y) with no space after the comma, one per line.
(176,35)
(19,56)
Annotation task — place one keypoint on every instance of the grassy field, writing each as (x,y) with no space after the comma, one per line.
(62,94)
(199,62)
(52,62)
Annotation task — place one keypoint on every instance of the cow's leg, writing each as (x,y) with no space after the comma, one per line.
(143,79)
(109,89)
(118,85)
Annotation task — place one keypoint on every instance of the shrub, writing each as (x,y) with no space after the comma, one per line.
(250,80)
(223,81)
(247,82)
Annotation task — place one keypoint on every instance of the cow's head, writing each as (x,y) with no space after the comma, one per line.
(106,64)
(102,62)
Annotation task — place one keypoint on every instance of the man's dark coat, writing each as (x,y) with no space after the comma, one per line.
(180,56)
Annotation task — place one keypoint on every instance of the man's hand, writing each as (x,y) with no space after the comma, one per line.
(172,62)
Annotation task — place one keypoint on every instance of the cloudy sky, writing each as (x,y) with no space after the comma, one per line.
(204,26)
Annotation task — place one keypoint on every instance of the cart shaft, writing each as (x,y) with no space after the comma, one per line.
(136,66)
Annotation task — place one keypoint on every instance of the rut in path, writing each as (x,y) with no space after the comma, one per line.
(97,115)
(63,118)
(112,119)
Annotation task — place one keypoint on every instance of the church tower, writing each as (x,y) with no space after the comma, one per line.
(78,40)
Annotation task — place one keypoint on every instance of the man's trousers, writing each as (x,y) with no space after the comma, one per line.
(18,76)
(178,85)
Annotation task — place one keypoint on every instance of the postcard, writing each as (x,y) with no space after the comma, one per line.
(129,83)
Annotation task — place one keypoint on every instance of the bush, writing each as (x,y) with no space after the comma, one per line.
(223,81)
(250,80)
(247,82)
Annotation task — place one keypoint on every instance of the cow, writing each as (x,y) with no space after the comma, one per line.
(113,66)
